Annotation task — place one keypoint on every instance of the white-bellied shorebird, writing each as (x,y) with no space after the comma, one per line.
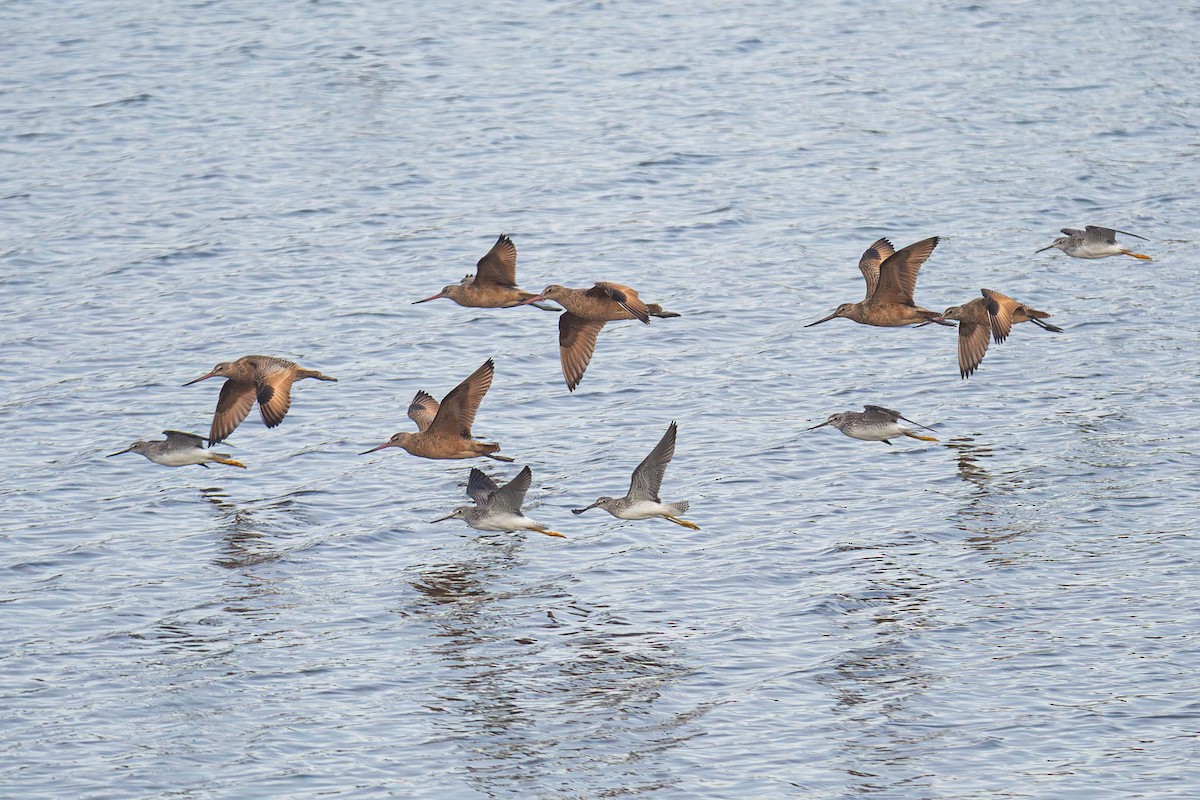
(875,424)
(497,508)
(642,500)
(179,449)
(1094,242)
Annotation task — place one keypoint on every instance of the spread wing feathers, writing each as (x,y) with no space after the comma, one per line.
(1094,233)
(456,414)
(898,273)
(973,331)
(623,296)
(1000,308)
(422,410)
(1073,232)
(508,498)
(274,390)
(647,478)
(576,343)
(479,486)
(870,261)
(234,403)
(499,266)
(189,439)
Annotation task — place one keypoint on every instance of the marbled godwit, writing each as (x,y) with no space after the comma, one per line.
(179,450)
(264,378)
(642,501)
(891,278)
(494,284)
(1093,242)
(586,312)
(875,424)
(497,509)
(444,431)
(995,314)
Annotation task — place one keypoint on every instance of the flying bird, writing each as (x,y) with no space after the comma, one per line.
(586,312)
(497,508)
(494,284)
(891,277)
(992,314)
(263,378)
(874,424)
(1094,242)
(642,501)
(179,449)
(444,429)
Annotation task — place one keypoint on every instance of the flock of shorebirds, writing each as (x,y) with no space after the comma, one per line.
(444,429)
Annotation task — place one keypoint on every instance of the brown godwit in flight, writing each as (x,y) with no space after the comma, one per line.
(444,430)
(494,284)
(263,378)
(586,312)
(497,508)
(992,315)
(891,277)
(1094,242)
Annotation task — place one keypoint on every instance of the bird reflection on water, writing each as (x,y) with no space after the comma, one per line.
(511,666)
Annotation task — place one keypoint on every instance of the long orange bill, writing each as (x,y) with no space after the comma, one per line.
(201,378)
(427,299)
(818,322)
(373,449)
(533,299)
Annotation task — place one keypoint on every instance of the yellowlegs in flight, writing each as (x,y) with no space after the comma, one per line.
(497,508)
(179,450)
(875,424)
(642,501)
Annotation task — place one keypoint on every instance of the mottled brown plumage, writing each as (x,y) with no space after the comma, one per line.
(891,279)
(587,310)
(444,429)
(992,315)
(264,379)
(494,284)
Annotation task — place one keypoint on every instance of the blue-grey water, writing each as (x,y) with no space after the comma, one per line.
(1010,613)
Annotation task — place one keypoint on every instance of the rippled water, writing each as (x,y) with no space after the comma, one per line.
(1008,614)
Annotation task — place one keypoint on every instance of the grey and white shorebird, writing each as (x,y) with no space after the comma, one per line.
(875,424)
(179,449)
(1094,242)
(497,508)
(642,501)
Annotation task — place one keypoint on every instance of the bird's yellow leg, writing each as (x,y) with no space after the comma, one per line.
(1141,256)
(682,522)
(230,462)
(548,533)
(919,436)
